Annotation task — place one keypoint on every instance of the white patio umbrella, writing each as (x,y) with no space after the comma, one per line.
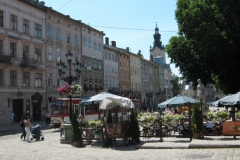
(97,98)
(111,102)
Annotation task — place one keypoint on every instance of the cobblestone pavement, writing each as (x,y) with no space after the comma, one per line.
(12,148)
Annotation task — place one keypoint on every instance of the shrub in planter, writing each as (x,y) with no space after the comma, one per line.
(168,117)
(222,115)
(75,129)
(179,118)
(134,127)
(196,119)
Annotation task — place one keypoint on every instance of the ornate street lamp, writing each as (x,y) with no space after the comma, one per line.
(62,71)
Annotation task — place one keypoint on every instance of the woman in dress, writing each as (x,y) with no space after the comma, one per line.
(27,124)
(23,127)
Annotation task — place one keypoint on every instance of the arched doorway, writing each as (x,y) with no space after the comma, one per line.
(36,106)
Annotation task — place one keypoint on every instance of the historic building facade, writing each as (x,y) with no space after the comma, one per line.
(92,59)
(147,81)
(22,59)
(135,75)
(63,35)
(111,75)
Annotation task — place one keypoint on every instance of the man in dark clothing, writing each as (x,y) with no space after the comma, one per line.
(23,127)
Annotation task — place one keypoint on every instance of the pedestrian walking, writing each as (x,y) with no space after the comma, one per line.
(22,125)
(11,116)
(27,124)
(61,126)
(48,119)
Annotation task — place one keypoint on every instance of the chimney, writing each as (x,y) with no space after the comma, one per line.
(114,43)
(127,49)
(106,41)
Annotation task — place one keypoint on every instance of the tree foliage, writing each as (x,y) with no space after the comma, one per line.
(207,46)
(176,85)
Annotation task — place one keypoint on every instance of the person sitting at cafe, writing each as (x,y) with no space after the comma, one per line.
(209,126)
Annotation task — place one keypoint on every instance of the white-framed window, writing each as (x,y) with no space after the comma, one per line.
(38,54)
(89,43)
(25,52)
(49,31)
(76,41)
(50,79)
(84,41)
(13,22)
(116,59)
(69,38)
(1,18)
(99,46)
(38,30)
(25,26)
(59,54)
(49,53)
(109,56)
(13,49)
(25,82)
(13,78)
(38,80)
(59,35)
(100,65)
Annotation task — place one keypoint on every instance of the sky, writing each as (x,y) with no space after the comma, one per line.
(131,23)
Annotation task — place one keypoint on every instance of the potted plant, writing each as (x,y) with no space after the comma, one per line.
(134,128)
(179,118)
(168,117)
(196,123)
(222,115)
(75,131)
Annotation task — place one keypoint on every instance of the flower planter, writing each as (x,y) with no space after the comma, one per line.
(197,135)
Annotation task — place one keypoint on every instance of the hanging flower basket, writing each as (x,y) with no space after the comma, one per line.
(73,90)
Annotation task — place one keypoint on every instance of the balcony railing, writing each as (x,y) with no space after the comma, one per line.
(5,58)
(28,63)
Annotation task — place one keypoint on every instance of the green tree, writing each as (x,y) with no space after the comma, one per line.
(176,85)
(207,46)
(134,127)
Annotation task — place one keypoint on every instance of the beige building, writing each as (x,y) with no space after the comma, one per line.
(111,75)
(63,34)
(135,74)
(92,75)
(22,59)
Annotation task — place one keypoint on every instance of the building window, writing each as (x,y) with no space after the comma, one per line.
(13,78)
(1,18)
(109,56)
(99,47)
(59,35)
(95,45)
(25,52)
(49,53)
(69,39)
(38,30)
(116,58)
(84,41)
(13,22)
(49,32)
(100,65)
(89,43)
(38,54)
(1,77)
(112,57)
(25,26)
(105,55)
(76,41)
(13,50)
(95,64)
(38,80)
(25,79)
(50,79)
(1,47)
(59,54)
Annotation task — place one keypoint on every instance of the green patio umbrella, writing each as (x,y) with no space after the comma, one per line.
(177,101)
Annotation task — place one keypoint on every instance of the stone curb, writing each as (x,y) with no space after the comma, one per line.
(190,146)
